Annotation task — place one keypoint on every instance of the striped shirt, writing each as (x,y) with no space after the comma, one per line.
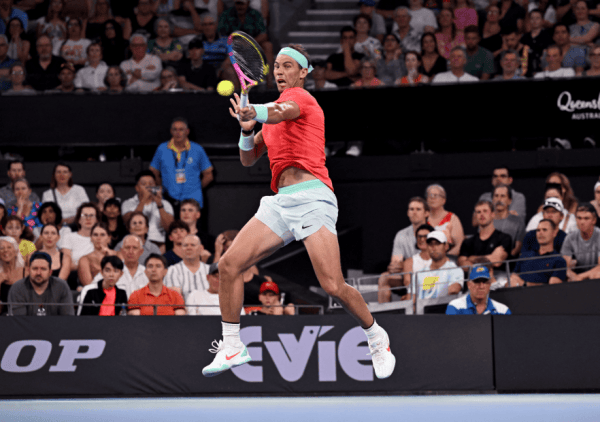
(179,275)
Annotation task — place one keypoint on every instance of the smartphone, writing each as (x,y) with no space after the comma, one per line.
(153,189)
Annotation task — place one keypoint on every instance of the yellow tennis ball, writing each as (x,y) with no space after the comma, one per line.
(225,88)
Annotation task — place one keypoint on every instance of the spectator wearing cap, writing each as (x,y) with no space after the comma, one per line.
(553,199)
(442,277)
(105,291)
(194,73)
(143,69)
(43,69)
(270,298)
(543,265)
(149,201)
(182,165)
(189,274)
(367,7)
(156,293)
(553,211)
(582,248)
(41,289)
(66,76)
(456,74)
(489,242)
(318,81)
(206,302)
(477,302)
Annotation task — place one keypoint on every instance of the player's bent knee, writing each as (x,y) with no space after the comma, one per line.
(333,288)
(228,270)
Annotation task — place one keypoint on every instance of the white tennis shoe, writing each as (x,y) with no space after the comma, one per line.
(383,359)
(227,357)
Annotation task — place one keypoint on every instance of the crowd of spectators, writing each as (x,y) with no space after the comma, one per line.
(180,45)
(412,42)
(560,243)
(143,251)
(131,46)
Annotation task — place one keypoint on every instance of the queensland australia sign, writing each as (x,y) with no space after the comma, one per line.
(580,106)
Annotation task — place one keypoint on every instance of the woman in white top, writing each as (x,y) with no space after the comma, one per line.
(365,44)
(79,244)
(18,46)
(62,191)
(418,261)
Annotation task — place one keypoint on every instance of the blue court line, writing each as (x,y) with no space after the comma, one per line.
(480,408)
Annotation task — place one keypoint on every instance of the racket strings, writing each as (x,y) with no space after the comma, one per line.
(248,58)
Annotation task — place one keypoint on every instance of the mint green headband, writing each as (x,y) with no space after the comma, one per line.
(296,55)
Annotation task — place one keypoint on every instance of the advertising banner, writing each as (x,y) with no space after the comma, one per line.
(93,356)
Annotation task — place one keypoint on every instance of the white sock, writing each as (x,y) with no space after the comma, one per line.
(372,331)
(231,334)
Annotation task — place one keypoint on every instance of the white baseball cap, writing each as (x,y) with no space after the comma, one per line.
(554,203)
(437,235)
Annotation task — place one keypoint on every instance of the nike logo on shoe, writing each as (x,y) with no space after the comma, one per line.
(231,357)
(306,227)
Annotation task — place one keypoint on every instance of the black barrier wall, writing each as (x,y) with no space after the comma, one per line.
(61,356)
(462,112)
(90,356)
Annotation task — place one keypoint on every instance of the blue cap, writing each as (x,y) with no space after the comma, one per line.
(479,272)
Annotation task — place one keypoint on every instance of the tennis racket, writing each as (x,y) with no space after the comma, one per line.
(248,60)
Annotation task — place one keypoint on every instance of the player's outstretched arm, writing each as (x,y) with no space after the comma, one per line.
(271,113)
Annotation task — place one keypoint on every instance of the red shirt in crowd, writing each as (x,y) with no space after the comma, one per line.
(166,297)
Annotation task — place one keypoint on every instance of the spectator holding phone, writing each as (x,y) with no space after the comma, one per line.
(150,202)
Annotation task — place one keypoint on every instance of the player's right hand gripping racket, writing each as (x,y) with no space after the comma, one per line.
(248,60)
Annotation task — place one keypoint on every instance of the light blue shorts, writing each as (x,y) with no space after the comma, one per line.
(299,210)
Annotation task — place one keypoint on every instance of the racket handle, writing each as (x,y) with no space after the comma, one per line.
(244,100)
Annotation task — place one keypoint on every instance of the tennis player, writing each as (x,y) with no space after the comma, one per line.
(304,208)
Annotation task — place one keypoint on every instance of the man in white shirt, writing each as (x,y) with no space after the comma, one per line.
(456,74)
(189,274)
(442,277)
(209,297)
(92,75)
(134,275)
(554,70)
(149,201)
(143,70)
